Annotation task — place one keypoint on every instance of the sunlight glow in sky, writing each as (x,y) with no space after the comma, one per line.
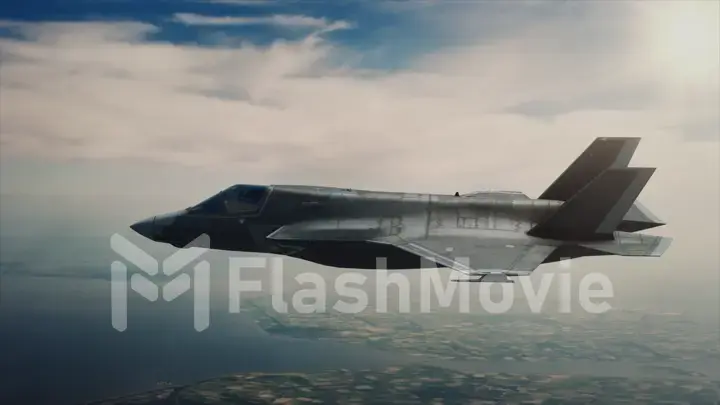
(685,38)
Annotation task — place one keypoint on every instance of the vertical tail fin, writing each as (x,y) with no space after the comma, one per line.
(597,209)
(602,154)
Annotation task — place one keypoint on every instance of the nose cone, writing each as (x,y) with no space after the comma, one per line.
(164,220)
(146,227)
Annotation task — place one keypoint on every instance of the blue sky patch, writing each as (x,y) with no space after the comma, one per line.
(394,34)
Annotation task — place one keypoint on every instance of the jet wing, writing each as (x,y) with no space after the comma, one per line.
(467,254)
(480,257)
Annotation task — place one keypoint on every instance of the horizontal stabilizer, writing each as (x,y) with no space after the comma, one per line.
(639,218)
(632,244)
(598,209)
(602,154)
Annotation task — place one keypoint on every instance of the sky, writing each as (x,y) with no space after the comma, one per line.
(117,110)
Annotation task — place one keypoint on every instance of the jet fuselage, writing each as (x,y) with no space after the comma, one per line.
(502,214)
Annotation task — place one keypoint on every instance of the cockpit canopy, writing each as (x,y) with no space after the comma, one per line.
(241,199)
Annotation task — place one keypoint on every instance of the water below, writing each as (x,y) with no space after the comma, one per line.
(58,347)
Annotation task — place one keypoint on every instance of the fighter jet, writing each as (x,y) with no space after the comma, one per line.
(589,210)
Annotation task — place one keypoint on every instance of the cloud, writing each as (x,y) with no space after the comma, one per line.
(288,111)
(290,21)
(65,34)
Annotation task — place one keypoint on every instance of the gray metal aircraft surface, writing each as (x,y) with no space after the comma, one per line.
(590,210)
